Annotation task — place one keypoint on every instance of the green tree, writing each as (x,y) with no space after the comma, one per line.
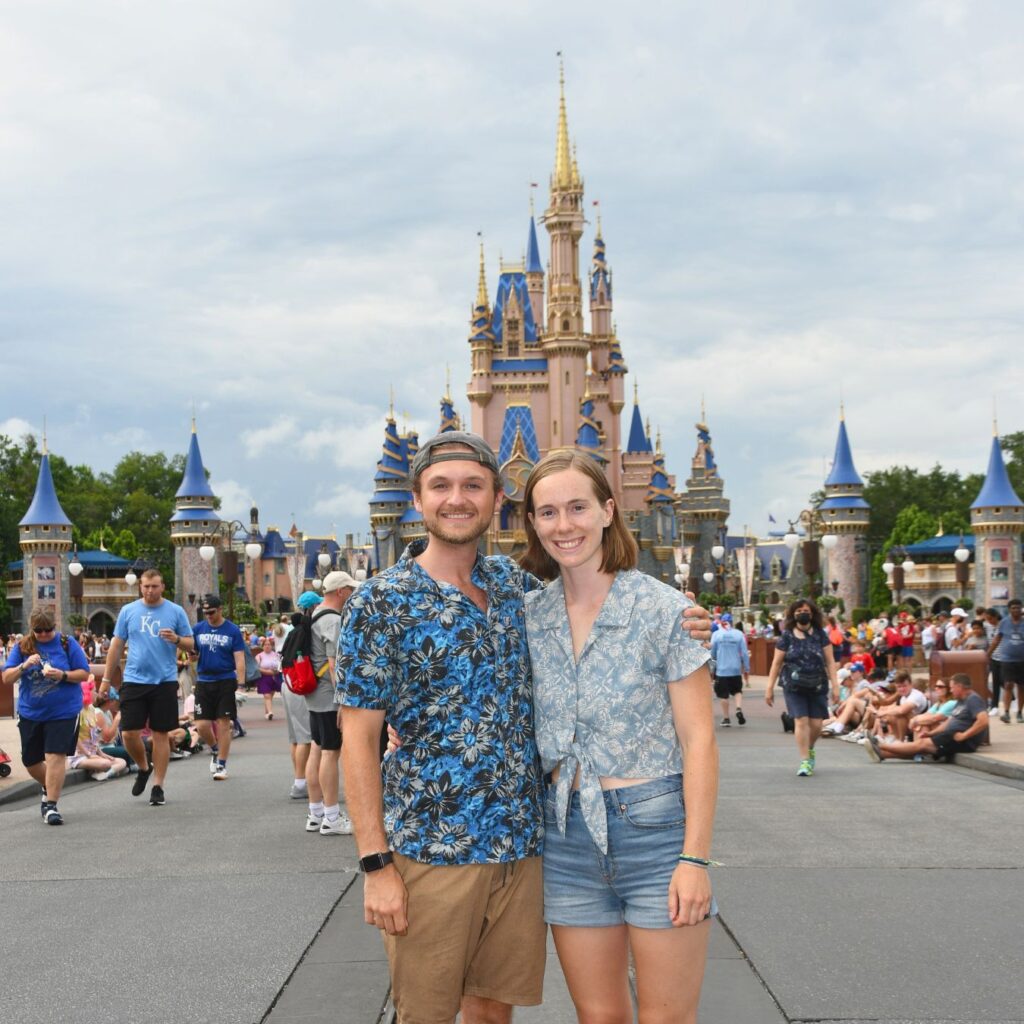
(912,524)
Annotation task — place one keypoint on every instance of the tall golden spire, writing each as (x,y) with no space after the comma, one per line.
(575,168)
(481,290)
(636,393)
(46,451)
(563,177)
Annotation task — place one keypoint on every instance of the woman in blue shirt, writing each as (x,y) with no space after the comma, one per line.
(622,711)
(49,669)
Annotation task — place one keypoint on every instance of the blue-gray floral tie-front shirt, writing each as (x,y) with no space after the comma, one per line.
(465,785)
(609,714)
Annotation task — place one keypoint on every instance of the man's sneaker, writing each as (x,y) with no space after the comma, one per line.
(221,773)
(156,796)
(1020,716)
(812,758)
(741,719)
(872,747)
(1005,717)
(806,768)
(299,792)
(141,781)
(52,815)
(313,822)
(213,764)
(341,826)
(726,723)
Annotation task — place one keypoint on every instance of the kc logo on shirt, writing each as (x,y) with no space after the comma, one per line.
(150,625)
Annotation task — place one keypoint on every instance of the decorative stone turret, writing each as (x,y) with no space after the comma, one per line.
(704,507)
(44,534)
(392,498)
(997,519)
(194,521)
(845,513)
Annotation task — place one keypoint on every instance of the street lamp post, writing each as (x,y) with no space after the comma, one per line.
(323,567)
(216,538)
(963,570)
(75,568)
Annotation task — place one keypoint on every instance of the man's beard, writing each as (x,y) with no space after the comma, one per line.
(436,527)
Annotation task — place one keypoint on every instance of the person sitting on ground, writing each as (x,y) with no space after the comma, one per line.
(108,710)
(88,756)
(895,718)
(963,732)
(934,719)
(850,709)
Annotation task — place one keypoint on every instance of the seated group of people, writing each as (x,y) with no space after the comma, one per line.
(891,718)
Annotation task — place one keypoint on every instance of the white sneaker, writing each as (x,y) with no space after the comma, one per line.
(313,822)
(221,773)
(341,826)
(213,765)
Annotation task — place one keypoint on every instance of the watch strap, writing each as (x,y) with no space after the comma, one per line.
(375,861)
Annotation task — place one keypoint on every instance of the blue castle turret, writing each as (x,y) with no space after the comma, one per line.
(588,436)
(845,513)
(392,498)
(194,523)
(44,534)
(997,518)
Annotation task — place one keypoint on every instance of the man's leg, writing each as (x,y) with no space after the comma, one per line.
(137,749)
(328,776)
(485,1011)
(161,757)
(906,750)
(300,757)
(223,738)
(725,707)
(206,732)
(38,772)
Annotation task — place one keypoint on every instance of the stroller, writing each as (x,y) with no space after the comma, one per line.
(5,763)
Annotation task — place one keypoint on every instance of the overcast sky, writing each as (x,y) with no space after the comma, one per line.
(270,209)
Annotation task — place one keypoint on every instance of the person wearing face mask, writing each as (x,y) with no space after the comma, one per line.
(803,658)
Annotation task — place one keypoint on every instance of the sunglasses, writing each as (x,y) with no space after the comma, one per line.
(41,632)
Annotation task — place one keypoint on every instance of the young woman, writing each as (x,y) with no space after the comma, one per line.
(803,655)
(623,715)
(269,662)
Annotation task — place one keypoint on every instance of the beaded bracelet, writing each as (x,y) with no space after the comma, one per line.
(701,862)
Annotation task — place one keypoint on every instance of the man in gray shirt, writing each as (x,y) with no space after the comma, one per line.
(1007,649)
(322,768)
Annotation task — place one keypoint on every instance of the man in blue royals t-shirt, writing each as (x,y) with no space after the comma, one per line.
(220,672)
(153,629)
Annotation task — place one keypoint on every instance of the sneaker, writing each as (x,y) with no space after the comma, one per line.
(313,822)
(341,826)
(812,758)
(806,768)
(141,781)
(221,773)
(726,723)
(52,815)
(156,796)
(1005,717)
(741,719)
(1020,716)
(872,747)
(176,755)
(299,792)
(213,764)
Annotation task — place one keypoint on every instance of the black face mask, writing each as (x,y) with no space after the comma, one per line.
(803,619)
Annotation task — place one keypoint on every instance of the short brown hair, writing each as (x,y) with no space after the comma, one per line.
(148,574)
(619,550)
(963,679)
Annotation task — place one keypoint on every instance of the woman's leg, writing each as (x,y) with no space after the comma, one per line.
(669,971)
(595,962)
(56,769)
(802,733)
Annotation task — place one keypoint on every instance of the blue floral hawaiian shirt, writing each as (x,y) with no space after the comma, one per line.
(465,786)
(609,713)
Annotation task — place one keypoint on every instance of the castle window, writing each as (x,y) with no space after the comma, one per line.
(46,529)
(566,378)
(565,326)
(554,427)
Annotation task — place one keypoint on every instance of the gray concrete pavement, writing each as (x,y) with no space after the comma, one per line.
(886,893)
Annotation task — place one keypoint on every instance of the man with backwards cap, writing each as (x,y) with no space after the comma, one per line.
(450,842)
(732,666)
(219,672)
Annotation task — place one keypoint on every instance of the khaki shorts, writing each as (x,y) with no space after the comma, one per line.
(475,930)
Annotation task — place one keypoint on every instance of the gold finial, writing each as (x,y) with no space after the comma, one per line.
(193,415)
(703,412)
(648,426)
(600,233)
(657,447)
(563,177)
(636,398)
(391,402)
(575,168)
(995,418)
(46,451)
(447,382)
(481,288)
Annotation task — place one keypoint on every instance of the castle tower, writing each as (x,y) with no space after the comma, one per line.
(658,532)
(845,513)
(391,497)
(704,507)
(534,273)
(607,365)
(563,341)
(636,463)
(481,346)
(588,436)
(193,523)
(44,534)
(410,524)
(997,519)
(449,417)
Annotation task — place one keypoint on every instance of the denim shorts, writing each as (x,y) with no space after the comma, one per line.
(806,703)
(585,888)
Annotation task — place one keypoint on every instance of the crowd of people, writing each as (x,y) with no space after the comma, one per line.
(557,712)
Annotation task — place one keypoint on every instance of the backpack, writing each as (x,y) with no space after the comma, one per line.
(296,662)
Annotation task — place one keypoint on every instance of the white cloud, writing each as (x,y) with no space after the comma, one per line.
(17,429)
(274,437)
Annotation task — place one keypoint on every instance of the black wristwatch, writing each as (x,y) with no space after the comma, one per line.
(375,861)
(63,677)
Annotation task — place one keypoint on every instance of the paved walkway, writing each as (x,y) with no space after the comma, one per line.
(869,892)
